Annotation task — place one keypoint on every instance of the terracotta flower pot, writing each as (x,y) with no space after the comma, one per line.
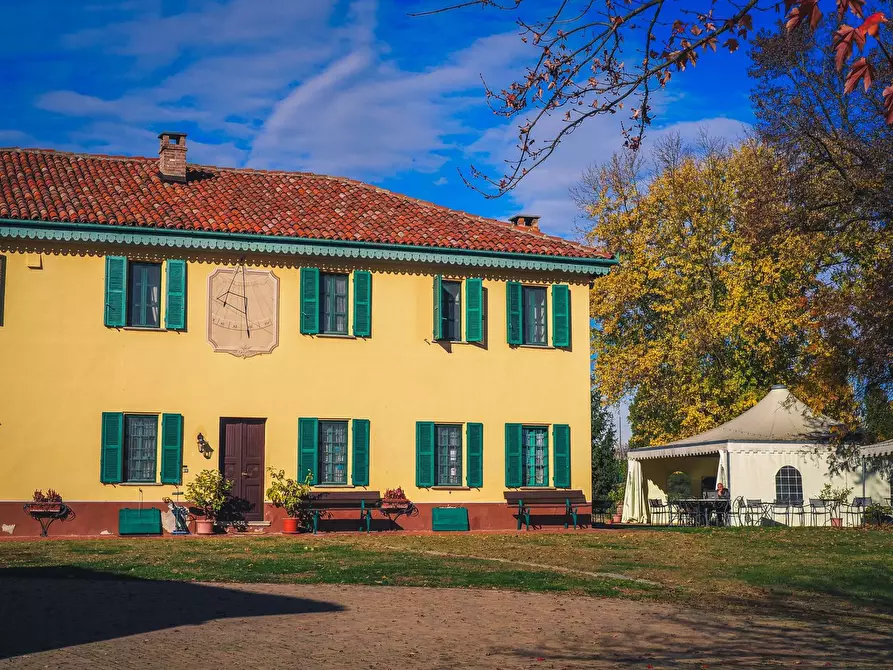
(289,525)
(204,527)
(617,518)
(836,522)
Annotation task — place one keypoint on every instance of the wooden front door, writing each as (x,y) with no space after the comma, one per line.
(242,462)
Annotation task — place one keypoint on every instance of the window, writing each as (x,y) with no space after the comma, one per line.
(333,452)
(534,456)
(140,447)
(144,295)
(788,486)
(450,310)
(333,304)
(534,318)
(448,456)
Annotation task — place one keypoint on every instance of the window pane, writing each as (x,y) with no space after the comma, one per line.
(144,294)
(534,456)
(534,315)
(333,452)
(333,304)
(450,310)
(140,444)
(449,456)
(789,486)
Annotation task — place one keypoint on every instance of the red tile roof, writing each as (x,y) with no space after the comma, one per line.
(55,186)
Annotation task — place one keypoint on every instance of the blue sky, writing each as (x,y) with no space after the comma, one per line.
(354,88)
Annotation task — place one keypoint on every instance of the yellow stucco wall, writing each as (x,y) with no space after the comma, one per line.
(61,367)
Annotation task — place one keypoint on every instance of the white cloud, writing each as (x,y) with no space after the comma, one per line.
(441,181)
(545,190)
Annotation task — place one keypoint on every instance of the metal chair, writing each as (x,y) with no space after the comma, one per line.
(855,511)
(722,512)
(819,508)
(752,512)
(660,511)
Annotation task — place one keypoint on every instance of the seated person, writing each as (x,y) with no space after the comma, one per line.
(722,491)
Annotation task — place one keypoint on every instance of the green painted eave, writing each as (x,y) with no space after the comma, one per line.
(265,244)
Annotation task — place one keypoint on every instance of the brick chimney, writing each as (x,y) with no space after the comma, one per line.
(526,221)
(172,157)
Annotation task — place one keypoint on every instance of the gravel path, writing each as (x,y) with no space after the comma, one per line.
(90,623)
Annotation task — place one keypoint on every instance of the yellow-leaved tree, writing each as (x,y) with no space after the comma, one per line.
(706,309)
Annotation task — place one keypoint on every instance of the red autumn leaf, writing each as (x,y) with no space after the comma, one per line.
(861,70)
(855,6)
(731,44)
(805,9)
(843,44)
(872,24)
(888,104)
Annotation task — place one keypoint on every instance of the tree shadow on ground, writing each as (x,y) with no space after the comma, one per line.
(690,638)
(55,607)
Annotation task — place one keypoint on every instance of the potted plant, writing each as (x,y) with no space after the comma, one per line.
(833,499)
(47,503)
(877,514)
(292,496)
(616,496)
(208,492)
(395,498)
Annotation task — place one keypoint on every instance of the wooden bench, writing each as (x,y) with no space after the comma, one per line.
(326,501)
(525,500)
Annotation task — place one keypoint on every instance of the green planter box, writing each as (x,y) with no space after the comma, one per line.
(139,521)
(449,518)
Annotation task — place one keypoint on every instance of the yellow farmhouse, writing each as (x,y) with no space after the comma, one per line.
(158,319)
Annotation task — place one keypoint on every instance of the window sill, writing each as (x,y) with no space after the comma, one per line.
(538,488)
(337,336)
(141,484)
(451,488)
(317,487)
(149,329)
(535,346)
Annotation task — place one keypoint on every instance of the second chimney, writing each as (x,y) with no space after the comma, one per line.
(528,221)
(172,157)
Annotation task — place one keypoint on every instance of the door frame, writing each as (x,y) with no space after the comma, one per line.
(256,514)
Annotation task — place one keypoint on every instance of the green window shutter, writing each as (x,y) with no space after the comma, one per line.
(438,303)
(360,456)
(424,454)
(362,303)
(561,435)
(475,458)
(513,312)
(308,448)
(474,310)
(111,467)
(175,309)
(2,286)
(561,315)
(512,455)
(171,448)
(309,301)
(115,291)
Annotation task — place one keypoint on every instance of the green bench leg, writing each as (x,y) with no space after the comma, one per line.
(520,514)
(315,522)
(527,518)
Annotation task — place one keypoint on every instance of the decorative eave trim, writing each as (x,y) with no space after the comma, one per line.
(216,241)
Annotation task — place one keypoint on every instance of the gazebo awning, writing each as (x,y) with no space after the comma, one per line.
(880,449)
(677,451)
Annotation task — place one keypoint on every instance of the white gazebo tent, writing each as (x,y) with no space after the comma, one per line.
(774,450)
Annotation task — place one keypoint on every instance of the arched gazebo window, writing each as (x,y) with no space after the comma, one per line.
(789,486)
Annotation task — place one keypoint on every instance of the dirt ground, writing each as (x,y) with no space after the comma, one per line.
(80,623)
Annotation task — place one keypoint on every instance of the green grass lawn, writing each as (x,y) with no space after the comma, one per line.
(824,573)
